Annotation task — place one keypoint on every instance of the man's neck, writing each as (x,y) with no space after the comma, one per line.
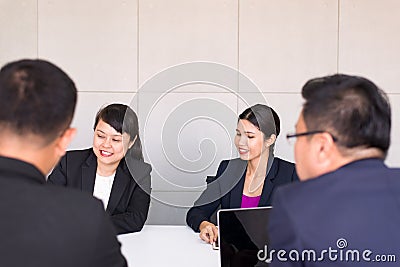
(354,154)
(25,150)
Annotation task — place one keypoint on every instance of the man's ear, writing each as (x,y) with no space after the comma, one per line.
(326,146)
(64,140)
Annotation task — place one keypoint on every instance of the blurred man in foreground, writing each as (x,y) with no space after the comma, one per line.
(44,225)
(346,210)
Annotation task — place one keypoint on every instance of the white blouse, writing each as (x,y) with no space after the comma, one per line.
(102,188)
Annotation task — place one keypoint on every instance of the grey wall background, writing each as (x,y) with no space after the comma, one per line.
(111,48)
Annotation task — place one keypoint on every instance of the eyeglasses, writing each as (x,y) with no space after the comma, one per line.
(290,137)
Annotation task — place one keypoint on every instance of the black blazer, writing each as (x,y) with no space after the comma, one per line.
(45,226)
(355,208)
(227,190)
(129,200)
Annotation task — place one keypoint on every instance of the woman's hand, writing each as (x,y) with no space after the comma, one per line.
(208,232)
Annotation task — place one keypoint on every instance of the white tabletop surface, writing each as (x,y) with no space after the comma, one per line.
(159,245)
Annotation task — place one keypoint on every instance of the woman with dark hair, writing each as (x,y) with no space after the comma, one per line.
(112,170)
(248,181)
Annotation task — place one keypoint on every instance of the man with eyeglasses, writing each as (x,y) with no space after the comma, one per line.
(346,210)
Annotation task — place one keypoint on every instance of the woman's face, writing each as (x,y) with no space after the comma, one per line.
(249,141)
(109,145)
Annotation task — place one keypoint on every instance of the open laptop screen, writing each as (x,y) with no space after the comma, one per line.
(242,234)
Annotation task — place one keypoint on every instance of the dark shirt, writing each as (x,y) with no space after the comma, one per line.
(45,226)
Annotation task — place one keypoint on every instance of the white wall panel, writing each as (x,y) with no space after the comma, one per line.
(95,40)
(393,158)
(175,32)
(18,30)
(185,136)
(284,43)
(369,41)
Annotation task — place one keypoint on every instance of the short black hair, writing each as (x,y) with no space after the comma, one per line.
(264,118)
(352,108)
(124,120)
(36,97)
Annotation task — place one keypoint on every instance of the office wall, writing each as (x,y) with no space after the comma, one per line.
(131,52)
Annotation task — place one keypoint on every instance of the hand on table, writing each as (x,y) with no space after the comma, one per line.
(208,232)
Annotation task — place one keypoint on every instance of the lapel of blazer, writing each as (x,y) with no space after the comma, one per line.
(237,192)
(89,173)
(268,185)
(239,168)
(121,181)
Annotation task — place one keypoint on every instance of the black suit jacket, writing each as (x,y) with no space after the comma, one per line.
(45,226)
(129,200)
(227,189)
(358,204)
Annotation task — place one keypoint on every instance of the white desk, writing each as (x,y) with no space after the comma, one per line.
(159,246)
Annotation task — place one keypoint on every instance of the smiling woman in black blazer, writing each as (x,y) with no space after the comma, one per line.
(112,170)
(248,181)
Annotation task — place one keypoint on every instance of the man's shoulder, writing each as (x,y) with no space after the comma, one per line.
(62,207)
(73,208)
(71,199)
(371,171)
(63,220)
(347,178)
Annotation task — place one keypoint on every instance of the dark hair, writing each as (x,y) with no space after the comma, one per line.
(124,120)
(264,118)
(36,97)
(351,108)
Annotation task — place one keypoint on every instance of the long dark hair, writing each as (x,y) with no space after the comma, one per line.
(264,118)
(124,120)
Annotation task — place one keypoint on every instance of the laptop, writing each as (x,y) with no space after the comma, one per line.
(242,233)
